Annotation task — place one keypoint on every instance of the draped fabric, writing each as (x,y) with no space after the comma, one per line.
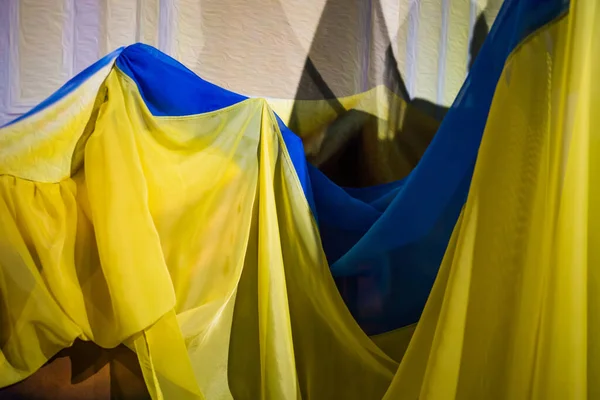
(385,270)
(145,206)
(513,312)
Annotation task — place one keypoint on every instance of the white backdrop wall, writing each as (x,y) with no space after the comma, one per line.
(254,47)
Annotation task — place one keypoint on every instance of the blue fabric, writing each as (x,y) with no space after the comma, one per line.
(384,243)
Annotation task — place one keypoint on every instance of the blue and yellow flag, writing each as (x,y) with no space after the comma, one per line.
(142,205)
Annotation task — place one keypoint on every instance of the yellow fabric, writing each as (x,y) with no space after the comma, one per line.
(110,255)
(45,147)
(96,243)
(394,343)
(514,311)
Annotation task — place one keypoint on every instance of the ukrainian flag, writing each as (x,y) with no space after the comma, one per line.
(142,205)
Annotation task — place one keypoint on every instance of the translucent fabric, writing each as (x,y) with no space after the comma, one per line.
(387,255)
(108,254)
(514,312)
(181,223)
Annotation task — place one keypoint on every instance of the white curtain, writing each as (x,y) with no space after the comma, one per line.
(254,47)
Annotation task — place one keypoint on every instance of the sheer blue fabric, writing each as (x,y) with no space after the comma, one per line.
(386,256)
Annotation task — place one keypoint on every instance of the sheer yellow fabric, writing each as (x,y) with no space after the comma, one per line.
(241,299)
(190,240)
(514,311)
